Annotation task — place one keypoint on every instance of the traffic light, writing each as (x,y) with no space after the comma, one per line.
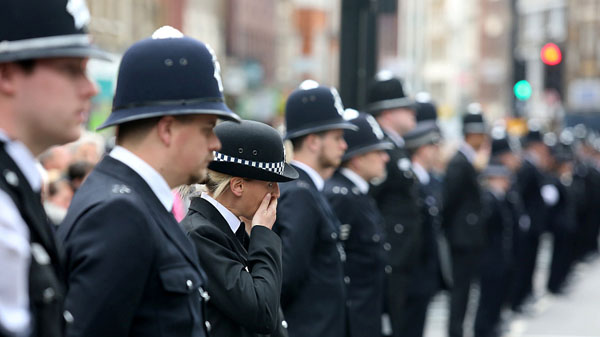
(551,55)
(522,90)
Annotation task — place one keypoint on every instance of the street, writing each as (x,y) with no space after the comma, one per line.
(574,314)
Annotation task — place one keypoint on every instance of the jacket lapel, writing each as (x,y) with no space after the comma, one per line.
(323,204)
(214,217)
(165,220)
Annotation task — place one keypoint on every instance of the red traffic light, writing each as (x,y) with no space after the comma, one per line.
(551,54)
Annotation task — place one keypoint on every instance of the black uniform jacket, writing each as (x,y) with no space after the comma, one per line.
(244,285)
(397,199)
(434,270)
(498,219)
(363,237)
(313,295)
(529,183)
(46,283)
(131,269)
(462,205)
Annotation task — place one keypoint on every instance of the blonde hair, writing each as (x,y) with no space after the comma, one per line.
(217,183)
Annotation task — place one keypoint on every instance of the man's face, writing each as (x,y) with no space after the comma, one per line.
(430,154)
(52,100)
(403,120)
(193,144)
(476,140)
(510,160)
(372,164)
(331,148)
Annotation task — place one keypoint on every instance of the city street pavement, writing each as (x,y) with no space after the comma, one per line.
(574,314)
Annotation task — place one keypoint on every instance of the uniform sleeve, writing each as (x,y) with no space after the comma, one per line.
(14,258)
(109,257)
(249,297)
(297,226)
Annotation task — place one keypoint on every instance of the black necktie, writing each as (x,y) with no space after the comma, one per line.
(241,234)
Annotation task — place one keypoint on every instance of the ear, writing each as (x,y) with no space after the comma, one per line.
(165,129)
(312,142)
(7,77)
(236,185)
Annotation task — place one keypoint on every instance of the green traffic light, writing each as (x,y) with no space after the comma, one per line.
(522,90)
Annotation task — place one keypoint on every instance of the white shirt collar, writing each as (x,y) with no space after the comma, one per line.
(24,160)
(468,151)
(157,183)
(316,177)
(357,180)
(421,173)
(233,221)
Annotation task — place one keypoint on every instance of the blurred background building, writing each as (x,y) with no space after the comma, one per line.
(461,51)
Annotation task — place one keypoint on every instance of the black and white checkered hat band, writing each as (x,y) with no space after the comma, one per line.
(276,167)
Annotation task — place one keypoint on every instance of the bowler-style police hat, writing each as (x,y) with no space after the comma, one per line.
(33,29)
(251,150)
(313,108)
(168,74)
(387,92)
(369,136)
(425,133)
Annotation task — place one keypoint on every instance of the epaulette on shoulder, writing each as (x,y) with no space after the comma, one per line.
(339,190)
(302,184)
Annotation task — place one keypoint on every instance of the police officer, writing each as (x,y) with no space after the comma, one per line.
(423,145)
(587,182)
(501,212)
(131,270)
(362,231)
(561,213)
(530,179)
(396,195)
(462,217)
(44,94)
(313,295)
(496,257)
(242,259)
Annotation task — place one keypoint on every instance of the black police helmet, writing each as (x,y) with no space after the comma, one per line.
(32,29)
(313,108)
(369,136)
(502,142)
(424,133)
(168,74)
(425,108)
(534,133)
(473,121)
(387,92)
(251,150)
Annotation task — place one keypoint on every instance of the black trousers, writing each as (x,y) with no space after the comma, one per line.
(397,283)
(493,287)
(465,271)
(415,314)
(562,258)
(525,262)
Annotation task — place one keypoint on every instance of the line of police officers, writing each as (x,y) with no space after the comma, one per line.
(367,234)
